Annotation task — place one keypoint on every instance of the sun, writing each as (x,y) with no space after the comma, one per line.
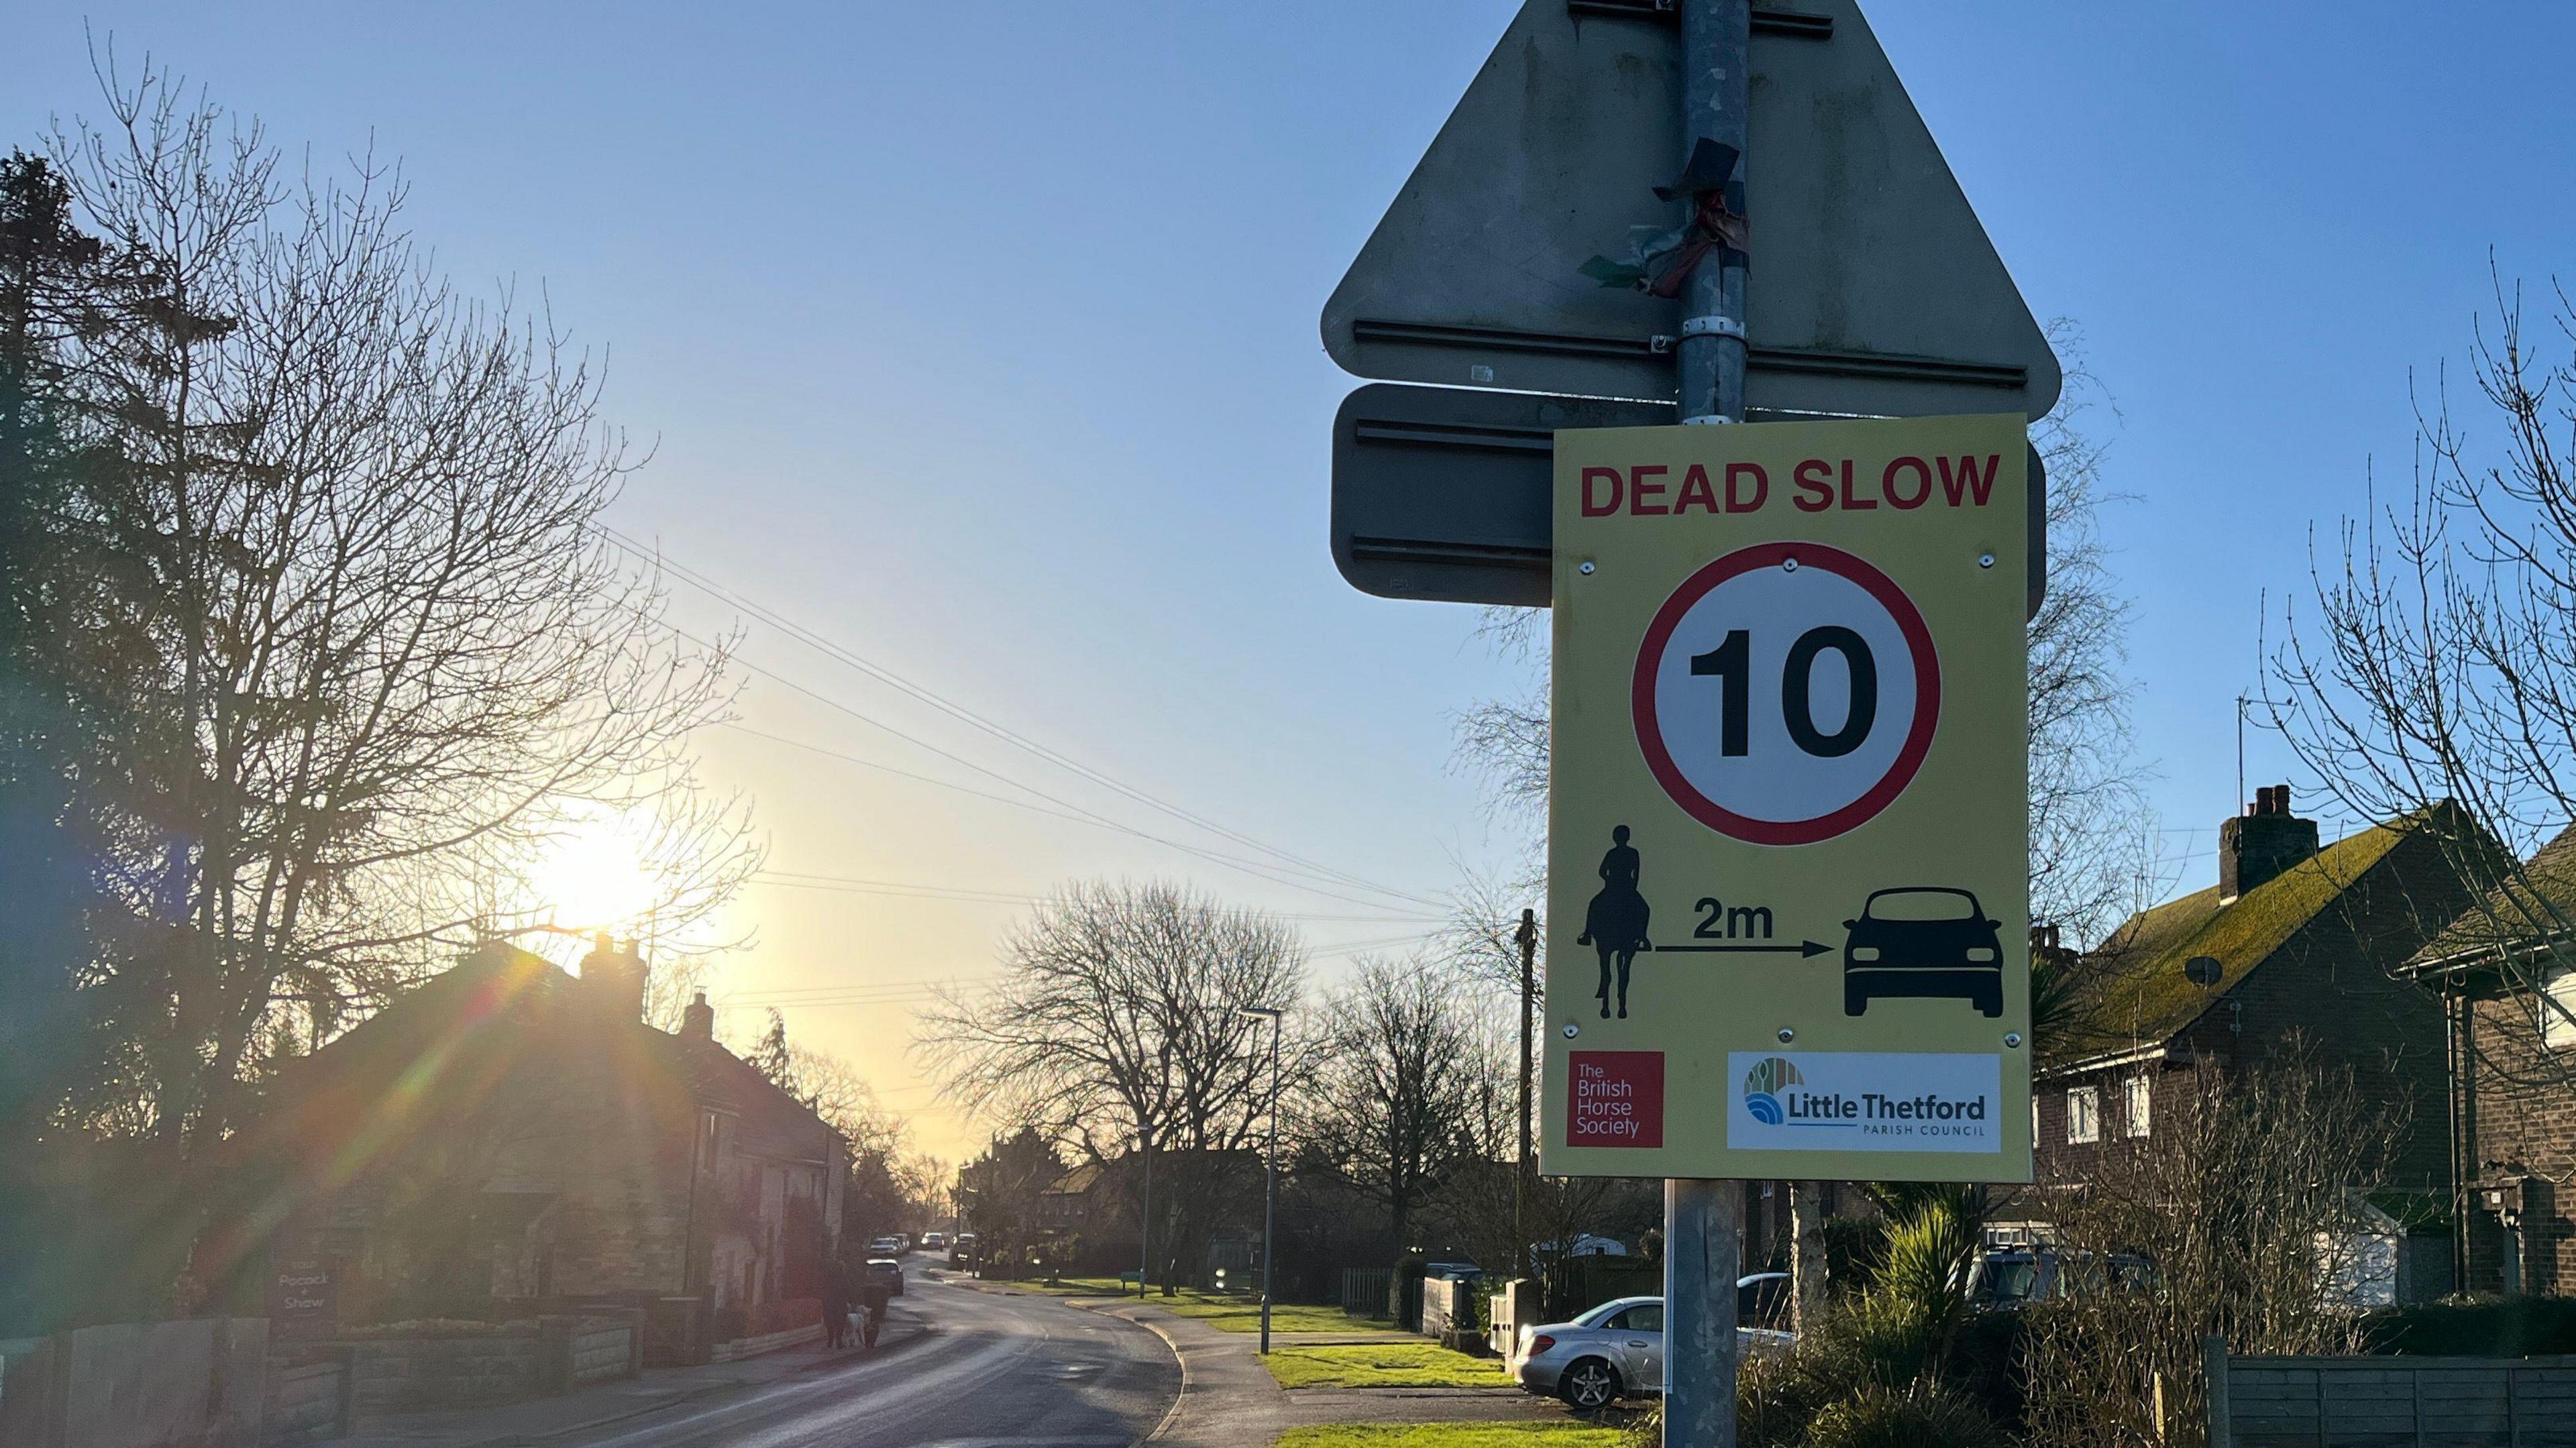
(597,874)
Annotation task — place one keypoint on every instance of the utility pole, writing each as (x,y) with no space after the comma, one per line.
(1145,1211)
(1269,1165)
(1527,939)
(2242,701)
(1703,1219)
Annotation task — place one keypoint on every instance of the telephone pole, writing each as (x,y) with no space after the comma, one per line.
(1527,939)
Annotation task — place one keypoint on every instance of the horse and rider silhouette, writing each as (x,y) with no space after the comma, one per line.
(1615,922)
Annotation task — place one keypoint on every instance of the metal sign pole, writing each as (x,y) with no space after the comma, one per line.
(1703,1220)
(1717,58)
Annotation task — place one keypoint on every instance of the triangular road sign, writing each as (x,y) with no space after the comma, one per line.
(1872,288)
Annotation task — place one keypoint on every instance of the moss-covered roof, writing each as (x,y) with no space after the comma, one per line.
(2536,904)
(2136,993)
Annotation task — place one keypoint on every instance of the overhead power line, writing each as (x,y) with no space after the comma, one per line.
(801,880)
(1260,869)
(851,659)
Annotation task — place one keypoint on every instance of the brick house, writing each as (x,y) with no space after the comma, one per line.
(2506,973)
(2294,941)
(509,1138)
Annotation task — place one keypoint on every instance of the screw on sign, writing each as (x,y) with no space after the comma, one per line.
(1786,692)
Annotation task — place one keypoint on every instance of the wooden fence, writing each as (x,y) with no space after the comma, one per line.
(1364,1290)
(2390,1402)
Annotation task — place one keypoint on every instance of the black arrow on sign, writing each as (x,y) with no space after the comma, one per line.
(1802,948)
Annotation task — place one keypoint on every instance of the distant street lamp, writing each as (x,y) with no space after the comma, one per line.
(1269,1166)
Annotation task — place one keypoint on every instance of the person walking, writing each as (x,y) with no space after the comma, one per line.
(836,1306)
(873,1293)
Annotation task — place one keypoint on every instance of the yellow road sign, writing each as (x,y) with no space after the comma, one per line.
(1788,920)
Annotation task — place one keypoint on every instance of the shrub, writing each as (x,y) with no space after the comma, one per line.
(1877,1337)
(1774,1402)
(1922,1416)
(1855,1250)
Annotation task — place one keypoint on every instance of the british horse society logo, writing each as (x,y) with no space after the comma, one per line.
(1762,1085)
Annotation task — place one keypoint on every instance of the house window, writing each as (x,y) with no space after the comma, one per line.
(2557,1031)
(2083,1114)
(2137,1105)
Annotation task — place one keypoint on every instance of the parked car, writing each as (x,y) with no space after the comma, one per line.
(2007,1279)
(1616,1350)
(888,1246)
(1762,1300)
(961,1250)
(1585,1244)
(1920,940)
(1452,1271)
(887,1272)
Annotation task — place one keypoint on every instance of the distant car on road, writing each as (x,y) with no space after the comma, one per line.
(888,1273)
(885,1246)
(1923,941)
(961,1250)
(934,1241)
(1616,1350)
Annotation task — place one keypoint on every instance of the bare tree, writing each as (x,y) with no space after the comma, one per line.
(1387,1111)
(389,659)
(2437,662)
(1117,1026)
(2091,837)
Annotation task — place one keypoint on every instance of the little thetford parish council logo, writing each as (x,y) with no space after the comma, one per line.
(1761,1084)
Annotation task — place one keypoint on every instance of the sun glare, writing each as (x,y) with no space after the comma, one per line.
(596,876)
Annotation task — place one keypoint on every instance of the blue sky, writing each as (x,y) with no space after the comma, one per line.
(980,338)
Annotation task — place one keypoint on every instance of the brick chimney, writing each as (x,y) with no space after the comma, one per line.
(2262,843)
(613,979)
(698,1022)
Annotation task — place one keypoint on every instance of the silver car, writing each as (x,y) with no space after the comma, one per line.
(1613,1351)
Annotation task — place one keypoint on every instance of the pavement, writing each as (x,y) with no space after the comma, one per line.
(1229,1400)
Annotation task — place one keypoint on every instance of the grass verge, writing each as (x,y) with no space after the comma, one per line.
(1453,1435)
(1382,1365)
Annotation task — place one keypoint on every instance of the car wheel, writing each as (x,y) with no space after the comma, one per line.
(1590,1383)
(1991,1005)
(1855,1000)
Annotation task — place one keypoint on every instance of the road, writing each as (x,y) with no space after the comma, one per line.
(993,1370)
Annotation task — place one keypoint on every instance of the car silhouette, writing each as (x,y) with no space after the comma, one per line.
(1921,940)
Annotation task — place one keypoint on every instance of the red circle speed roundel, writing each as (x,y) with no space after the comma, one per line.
(1786,693)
